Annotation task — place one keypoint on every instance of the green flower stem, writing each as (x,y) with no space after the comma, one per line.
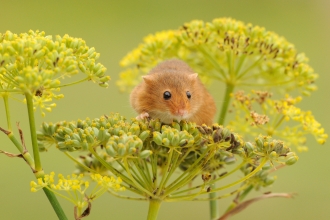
(126,197)
(213,181)
(154,169)
(239,198)
(173,167)
(230,63)
(256,63)
(243,187)
(134,173)
(38,168)
(141,170)
(259,167)
(147,170)
(181,180)
(229,89)
(135,184)
(165,173)
(73,83)
(154,206)
(188,174)
(214,203)
(80,164)
(114,171)
(11,91)
(55,204)
(229,173)
(265,159)
(5,100)
(27,156)
(136,177)
(279,122)
(240,64)
(215,63)
(214,210)
(33,132)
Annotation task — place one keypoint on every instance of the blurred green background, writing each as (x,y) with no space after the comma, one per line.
(116,27)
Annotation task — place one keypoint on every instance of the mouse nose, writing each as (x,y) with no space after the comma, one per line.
(181,112)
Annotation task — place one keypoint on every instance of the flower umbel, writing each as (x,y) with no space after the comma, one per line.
(274,118)
(74,187)
(145,155)
(36,64)
(226,50)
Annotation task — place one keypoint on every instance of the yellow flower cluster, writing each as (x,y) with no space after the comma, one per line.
(306,119)
(108,182)
(36,64)
(76,184)
(71,183)
(226,50)
(279,113)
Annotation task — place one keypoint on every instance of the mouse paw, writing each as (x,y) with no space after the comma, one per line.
(142,116)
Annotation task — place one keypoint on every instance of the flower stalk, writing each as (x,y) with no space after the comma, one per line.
(154,206)
(33,133)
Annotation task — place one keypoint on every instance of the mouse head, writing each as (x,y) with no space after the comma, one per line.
(171,95)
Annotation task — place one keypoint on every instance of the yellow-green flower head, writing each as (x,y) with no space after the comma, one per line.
(37,64)
(108,182)
(226,50)
(75,189)
(276,121)
(140,152)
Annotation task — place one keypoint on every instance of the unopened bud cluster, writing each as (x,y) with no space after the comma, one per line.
(230,51)
(129,149)
(34,63)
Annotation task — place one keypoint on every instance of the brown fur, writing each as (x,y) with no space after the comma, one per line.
(176,77)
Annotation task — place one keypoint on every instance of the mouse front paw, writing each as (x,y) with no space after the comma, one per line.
(142,116)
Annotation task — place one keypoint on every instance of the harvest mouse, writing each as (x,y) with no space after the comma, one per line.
(173,91)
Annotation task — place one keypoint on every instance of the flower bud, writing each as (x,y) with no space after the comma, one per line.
(45,127)
(201,130)
(121,149)
(144,154)
(184,125)
(76,136)
(226,134)
(157,138)
(291,160)
(138,144)
(90,139)
(273,155)
(166,142)
(175,140)
(110,150)
(270,180)
(67,130)
(135,129)
(58,137)
(144,135)
(84,145)
(176,125)
(249,147)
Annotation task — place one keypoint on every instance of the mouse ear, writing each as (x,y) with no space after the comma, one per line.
(193,76)
(147,79)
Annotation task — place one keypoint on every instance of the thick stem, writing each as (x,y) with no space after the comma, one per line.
(229,89)
(33,132)
(154,206)
(55,204)
(214,211)
(38,168)
(5,100)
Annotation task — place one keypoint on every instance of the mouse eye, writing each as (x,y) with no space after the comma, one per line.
(167,95)
(188,94)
